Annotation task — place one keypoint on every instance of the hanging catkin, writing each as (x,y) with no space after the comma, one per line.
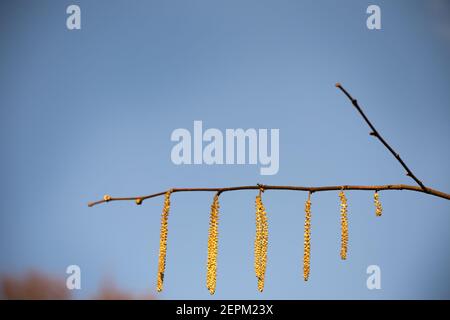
(261,241)
(163,242)
(344,225)
(211,265)
(307,239)
(378,207)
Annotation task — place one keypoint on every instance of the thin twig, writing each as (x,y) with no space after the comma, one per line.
(139,200)
(376,134)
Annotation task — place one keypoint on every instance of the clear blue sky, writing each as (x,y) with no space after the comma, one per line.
(89,112)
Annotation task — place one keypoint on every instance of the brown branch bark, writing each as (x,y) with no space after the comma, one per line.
(140,199)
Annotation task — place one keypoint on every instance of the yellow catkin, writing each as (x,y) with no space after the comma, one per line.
(257,249)
(378,207)
(211,265)
(261,242)
(163,242)
(344,226)
(307,239)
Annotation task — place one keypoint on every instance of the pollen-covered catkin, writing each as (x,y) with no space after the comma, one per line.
(163,242)
(344,225)
(257,249)
(307,240)
(378,207)
(261,242)
(211,265)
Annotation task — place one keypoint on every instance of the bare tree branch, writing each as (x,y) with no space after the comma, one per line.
(374,132)
(139,200)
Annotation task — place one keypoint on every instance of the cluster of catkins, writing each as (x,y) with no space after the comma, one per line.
(261,238)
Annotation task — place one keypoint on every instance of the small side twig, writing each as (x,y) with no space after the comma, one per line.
(376,134)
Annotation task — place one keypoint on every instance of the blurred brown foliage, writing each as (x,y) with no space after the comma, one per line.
(39,286)
(33,286)
(110,292)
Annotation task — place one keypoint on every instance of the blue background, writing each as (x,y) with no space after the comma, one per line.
(90,111)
